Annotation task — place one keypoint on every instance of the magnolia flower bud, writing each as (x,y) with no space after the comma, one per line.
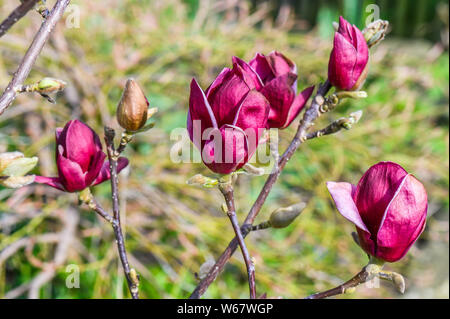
(132,108)
(13,167)
(399,282)
(283,217)
(204,181)
(49,85)
(374,33)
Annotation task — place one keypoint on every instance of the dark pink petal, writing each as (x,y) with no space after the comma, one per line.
(58,132)
(226,98)
(95,167)
(218,81)
(342,194)
(404,220)
(249,75)
(346,30)
(374,192)
(199,110)
(70,174)
(280,64)
(81,143)
(280,95)
(260,64)
(51,181)
(105,174)
(253,112)
(227,152)
(297,105)
(362,57)
(342,62)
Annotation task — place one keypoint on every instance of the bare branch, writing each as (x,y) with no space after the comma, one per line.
(16,15)
(32,53)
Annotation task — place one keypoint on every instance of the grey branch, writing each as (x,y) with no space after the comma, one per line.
(32,53)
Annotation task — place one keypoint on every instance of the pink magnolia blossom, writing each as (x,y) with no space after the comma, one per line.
(278,75)
(227,120)
(79,159)
(388,208)
(348,64)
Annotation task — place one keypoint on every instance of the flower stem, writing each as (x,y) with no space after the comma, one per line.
(227,191)
(117,227)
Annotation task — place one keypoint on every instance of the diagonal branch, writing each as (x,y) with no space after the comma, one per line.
(16,15)
(32,53)
(310,115)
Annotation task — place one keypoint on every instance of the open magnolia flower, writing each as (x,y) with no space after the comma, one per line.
(279,77)
(348,65)
(239,105)
(227,121)
(388,208)
(79,159)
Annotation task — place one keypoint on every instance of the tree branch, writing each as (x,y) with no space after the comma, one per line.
(358,279)
(132,284)
(227,191)
(32,53)
(16,15)
(310,115)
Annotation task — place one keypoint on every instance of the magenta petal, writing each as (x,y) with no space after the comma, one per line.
(104,174)
(226,152)
(226,98)
(375,190)
(280,95)
(51,181)
(280,64)
(362,57)
(342,62)
(95,167)
(253,112)
(298,104)
(260,64)
(404,220)
(81,143)
(249,75)
(199,111)
(71,175)
(218,81)
(346,29)
(342,194)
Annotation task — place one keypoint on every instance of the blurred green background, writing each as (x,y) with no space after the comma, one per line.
(172,228)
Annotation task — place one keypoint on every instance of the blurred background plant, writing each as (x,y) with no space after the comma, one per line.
(172,228)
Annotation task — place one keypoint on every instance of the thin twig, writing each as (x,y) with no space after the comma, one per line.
(360,278)
(227,191)
(32,53)
(109,139)
(16,15)
(310,115)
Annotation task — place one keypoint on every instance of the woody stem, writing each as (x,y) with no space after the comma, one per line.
(227,191)
(117,227)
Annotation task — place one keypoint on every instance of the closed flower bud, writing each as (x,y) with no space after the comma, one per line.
(283,217)
(49,85)
(375,32)
(132,108)
(79,159)
(13,167)
(388,208)
(348,65)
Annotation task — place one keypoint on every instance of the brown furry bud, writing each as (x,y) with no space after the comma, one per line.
(133,107)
